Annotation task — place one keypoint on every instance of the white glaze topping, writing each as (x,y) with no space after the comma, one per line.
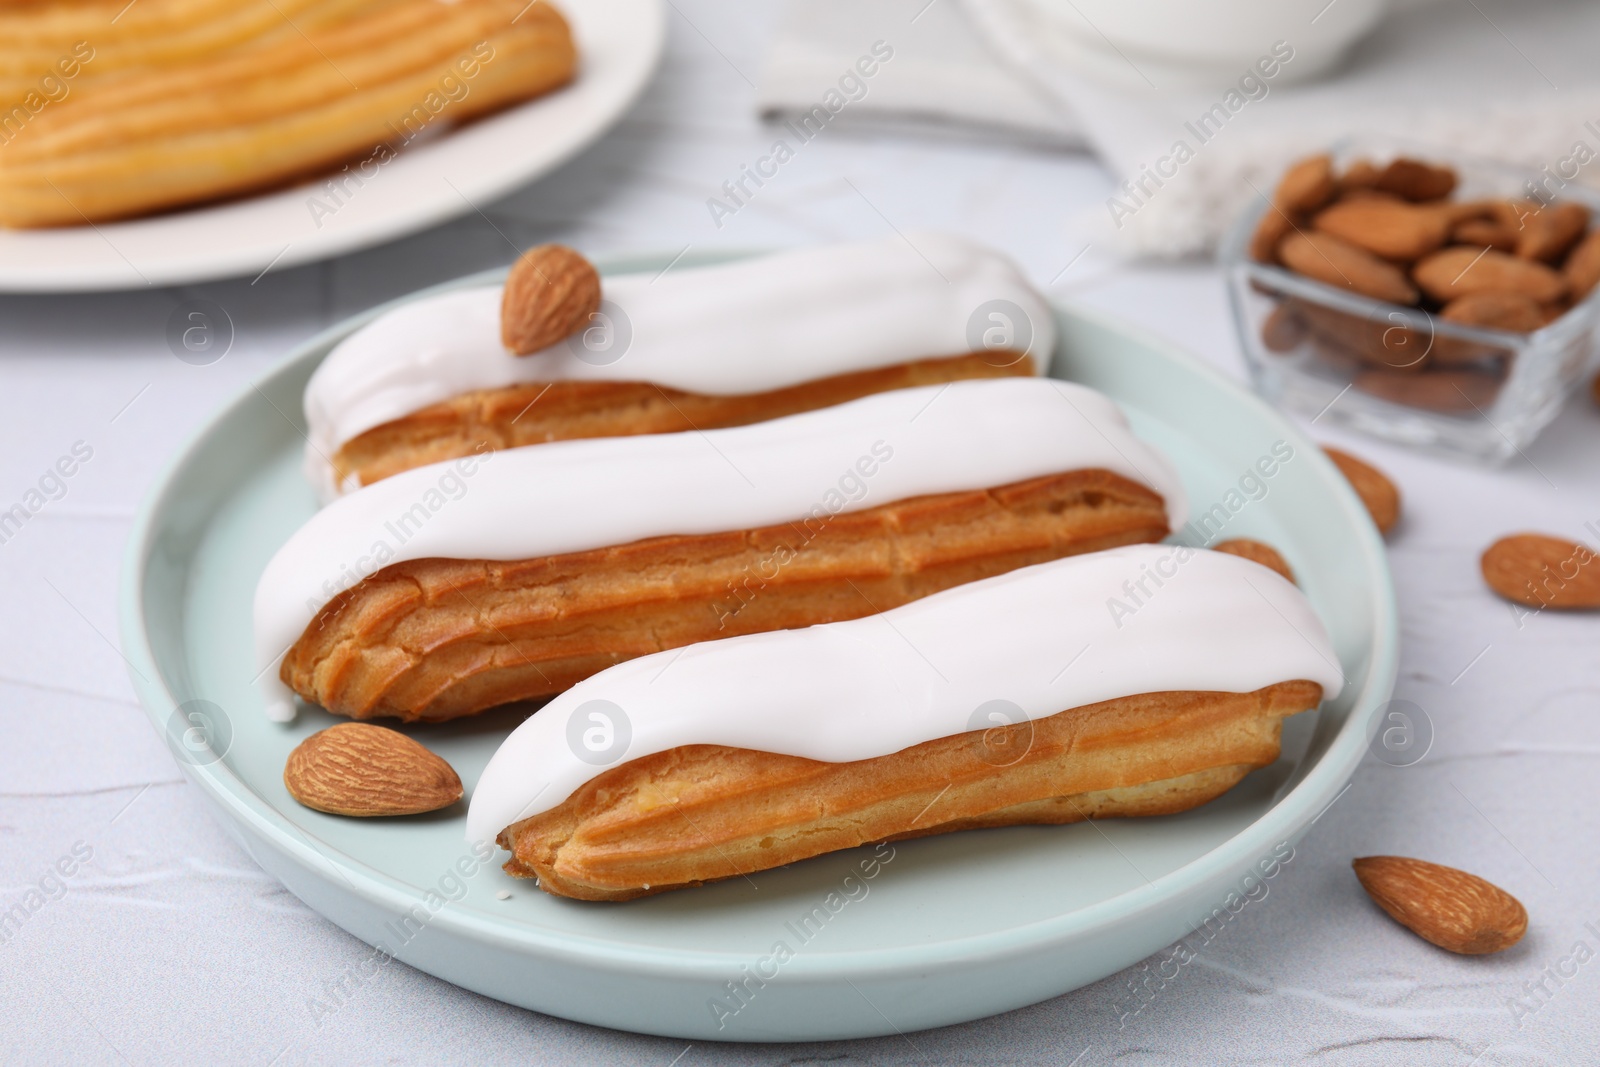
(1042,638)
(570,496)
(743,327)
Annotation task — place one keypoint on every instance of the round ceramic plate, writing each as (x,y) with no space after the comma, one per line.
(619,43)
(946,929)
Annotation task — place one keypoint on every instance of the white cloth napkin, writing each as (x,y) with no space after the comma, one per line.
(1507,80)
(942,75)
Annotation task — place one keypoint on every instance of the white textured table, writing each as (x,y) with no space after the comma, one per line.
(169,944)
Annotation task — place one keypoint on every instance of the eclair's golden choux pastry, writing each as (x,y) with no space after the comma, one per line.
(328,82)
(539,412)
(701,813)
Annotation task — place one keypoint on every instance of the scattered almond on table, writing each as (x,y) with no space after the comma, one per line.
(1377,492)
(359,769)
(1543,572)
(1445,906)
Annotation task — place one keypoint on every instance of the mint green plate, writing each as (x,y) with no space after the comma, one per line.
(948,928)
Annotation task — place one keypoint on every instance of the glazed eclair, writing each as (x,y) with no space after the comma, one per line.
(690,348)
(508,575)
(1017,699)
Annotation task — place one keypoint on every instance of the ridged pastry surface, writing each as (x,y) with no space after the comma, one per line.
(703,813)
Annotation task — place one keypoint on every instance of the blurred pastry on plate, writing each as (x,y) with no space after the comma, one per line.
(172,104)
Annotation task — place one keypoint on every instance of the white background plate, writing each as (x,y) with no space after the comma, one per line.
(619,43)
(953,928)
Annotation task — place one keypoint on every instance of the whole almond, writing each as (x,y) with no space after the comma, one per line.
(1450,392)
(1360,174)
(1368,193)
(1269,233)
(1283,329)
(1375,340)
(1543,572)
(1456,353)
(1336,262)
(1256,552)
(1378,494)
(1495,311)
(1392,229)
(356,768)
(1305,186)
(1548,234)
(1582,269)
(1484,233)
(1459,270)
(1450,908)
(1491,310)
(1334,357)
(1459,211)
(1412,179)
(551,291)
(1514,214)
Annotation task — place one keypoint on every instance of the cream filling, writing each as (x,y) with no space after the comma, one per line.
(1029,643)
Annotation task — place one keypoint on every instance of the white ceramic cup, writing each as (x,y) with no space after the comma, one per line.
(1182,44)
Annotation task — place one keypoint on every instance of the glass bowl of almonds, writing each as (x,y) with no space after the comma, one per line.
(1419,295)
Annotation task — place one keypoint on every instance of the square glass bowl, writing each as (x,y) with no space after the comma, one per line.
(1402,373)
